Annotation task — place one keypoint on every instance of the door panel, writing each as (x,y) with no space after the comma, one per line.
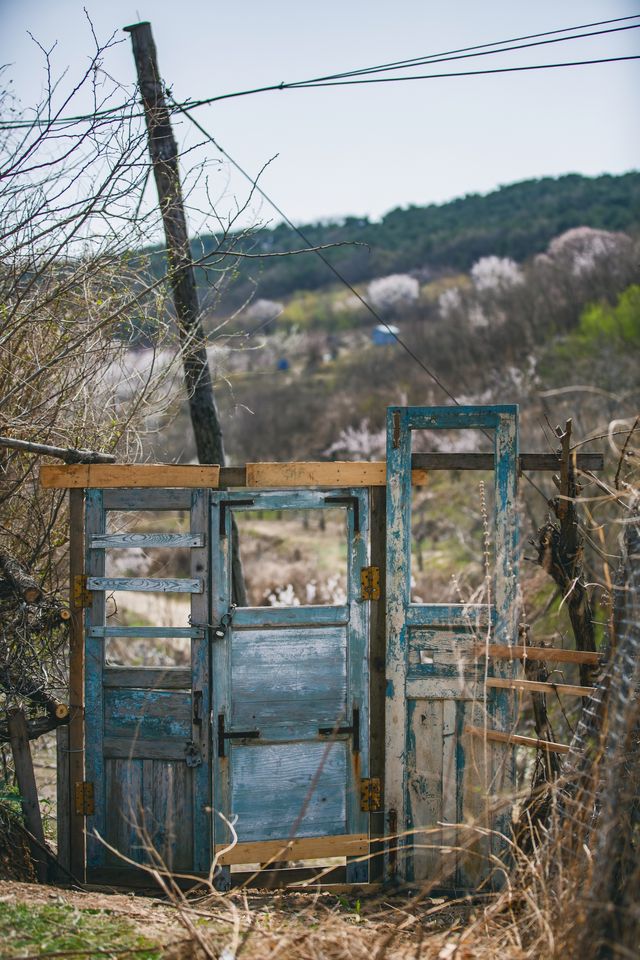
(146,729)
(290,697)
(435,775)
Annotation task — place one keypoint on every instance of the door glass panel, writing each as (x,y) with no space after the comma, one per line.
(294,558)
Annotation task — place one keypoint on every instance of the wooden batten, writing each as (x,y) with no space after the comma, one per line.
(345,473)
(535,686)
(105,475)
(304,848)
(513,738)
(518,652)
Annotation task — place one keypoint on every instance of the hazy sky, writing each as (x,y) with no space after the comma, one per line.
(363,149)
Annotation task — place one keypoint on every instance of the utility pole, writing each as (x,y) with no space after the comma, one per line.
(164,157)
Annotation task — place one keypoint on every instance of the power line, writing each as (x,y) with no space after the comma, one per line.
(462,53)
(113,113)
(318,253)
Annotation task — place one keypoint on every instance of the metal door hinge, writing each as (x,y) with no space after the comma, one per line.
(370,795)
(84,798)
(370,583)
(81,596)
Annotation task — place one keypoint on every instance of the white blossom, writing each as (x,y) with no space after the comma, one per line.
(584,249)
(394,290)
(263,310)
(359,442)
(449,302)
(495,273)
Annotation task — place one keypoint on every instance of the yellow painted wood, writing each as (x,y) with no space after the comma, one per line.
(79,475)
(323,474)
(511,738)
(519,652)
(536,686)
(303,848)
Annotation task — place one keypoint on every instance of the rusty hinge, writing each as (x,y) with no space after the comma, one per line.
(370,583)
(84,798)
(81,596)
(370,795)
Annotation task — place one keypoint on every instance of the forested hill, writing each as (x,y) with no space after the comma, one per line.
(515,221)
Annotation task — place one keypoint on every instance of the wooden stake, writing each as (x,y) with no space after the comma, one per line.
(511,738)
(19,736)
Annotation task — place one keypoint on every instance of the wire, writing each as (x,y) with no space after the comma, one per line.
(329,79)
(318,253)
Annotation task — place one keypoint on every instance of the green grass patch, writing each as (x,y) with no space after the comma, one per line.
(40,929)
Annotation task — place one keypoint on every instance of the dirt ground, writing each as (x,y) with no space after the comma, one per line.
(263,924)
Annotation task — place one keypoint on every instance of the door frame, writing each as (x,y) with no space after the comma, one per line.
(356,612)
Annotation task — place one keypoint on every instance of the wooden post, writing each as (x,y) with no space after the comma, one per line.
(76,685)
(377,682)
(164,157)
(25,776)
(63,797)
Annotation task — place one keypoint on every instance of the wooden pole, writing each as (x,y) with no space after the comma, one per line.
(25,776)
(164,157)
(75,756)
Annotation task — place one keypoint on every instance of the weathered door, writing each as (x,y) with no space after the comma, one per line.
(147,730)
(435,772)
(290,703)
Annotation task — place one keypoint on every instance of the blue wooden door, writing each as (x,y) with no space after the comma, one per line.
(435,773)
(290,703)
(146,717)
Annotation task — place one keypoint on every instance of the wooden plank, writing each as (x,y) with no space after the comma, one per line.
(150,633)
(63,797)
(148,678)
(103,475)
(272,784)
(145,584)
(529,462)
(470,615)
(146,540)
(146,499)
(539,687)
(23,766)
(377,682)
(124,748)
(551,654)
(346,473)
(200,778)
(306,848)
(94,692)
(512,738)
(76,683)
(271,617)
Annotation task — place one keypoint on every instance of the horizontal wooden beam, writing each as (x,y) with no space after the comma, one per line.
(148,678)
(145,540)
(511,738)
(517,652)
(528,462)
(538,686)
(146,584)
(104,475)
(345,473)
(303,848)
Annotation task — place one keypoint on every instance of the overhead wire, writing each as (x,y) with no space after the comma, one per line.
(346,78)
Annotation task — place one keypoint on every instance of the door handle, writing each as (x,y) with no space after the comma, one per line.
(232,735)
(354,730)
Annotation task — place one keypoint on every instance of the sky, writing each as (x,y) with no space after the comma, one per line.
(366,149)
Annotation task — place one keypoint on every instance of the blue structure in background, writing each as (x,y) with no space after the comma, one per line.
(381,335)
